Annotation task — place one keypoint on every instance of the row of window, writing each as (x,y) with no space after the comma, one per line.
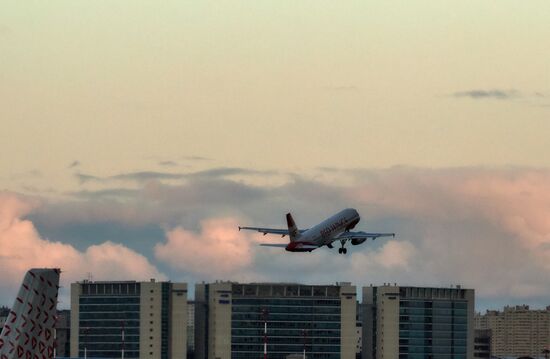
(288,317)
(290,325)
(285,309)
(433,327)
(432,342)
(433,350)
(285,332)
(286,301)
(109,300)
(100,307)
(286,340)
(433,304)
(427,334)
(296,348)
(434,311)
(434,320)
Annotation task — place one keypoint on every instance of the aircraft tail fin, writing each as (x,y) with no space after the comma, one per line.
(293,232)
(29,329)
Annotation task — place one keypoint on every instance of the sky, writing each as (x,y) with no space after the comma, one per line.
(136,136)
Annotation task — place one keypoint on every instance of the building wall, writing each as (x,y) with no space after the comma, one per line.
(178,321)
(323,318)
(417,322)
(148,320)
(517,331)
(348,317)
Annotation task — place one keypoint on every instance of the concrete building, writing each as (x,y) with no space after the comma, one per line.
(482,343)
(190,328)
(418,323)
(230,317)
(63,333)
(152,315)
(516,331)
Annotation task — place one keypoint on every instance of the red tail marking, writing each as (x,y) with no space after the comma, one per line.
(13,317)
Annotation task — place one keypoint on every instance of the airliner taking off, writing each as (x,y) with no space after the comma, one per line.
(335,228)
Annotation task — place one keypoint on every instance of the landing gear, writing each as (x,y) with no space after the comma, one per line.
(342,250)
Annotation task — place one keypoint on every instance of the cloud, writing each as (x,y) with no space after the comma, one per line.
(488,229)
(216,251)
(145,176)
(24,248)
(489,94)
(167,163)
(74,164)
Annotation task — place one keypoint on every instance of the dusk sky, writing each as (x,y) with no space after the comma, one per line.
(136,136)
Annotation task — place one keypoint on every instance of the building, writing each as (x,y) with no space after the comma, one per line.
(417,322)
(482,343)
(516,331)
(63,333)
(230,319)
(190,329)
(4,312)
(146,320)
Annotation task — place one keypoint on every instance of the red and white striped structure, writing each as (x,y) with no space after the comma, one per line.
(29,330)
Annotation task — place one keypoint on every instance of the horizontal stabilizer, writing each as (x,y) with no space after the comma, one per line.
(279,245)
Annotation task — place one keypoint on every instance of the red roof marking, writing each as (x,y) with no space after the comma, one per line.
(47,334)
(43,299)
(20,351)
(41,347)
(24,321)
(12,347)
(49,283)
(27,338)
(50,351)
(28,354)
(33,342)
(32,274)
(30,308)
(4,356)
(33,325)
(53,304)
(18,334)
(8,330)
(20,300)
(1,343)
(25,286)
(41,279)
(46,317)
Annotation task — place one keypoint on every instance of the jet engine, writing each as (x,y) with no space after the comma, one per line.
(356,241)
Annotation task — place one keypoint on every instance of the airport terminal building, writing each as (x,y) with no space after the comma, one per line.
(230,320)
(146,320)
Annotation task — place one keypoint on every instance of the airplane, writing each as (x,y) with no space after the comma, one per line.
(29,330)
(336,228)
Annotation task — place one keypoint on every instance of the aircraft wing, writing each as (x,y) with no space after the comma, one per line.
(362,235)
(282,232)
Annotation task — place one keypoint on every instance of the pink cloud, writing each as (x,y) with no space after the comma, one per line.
(218,251)
(23,248)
